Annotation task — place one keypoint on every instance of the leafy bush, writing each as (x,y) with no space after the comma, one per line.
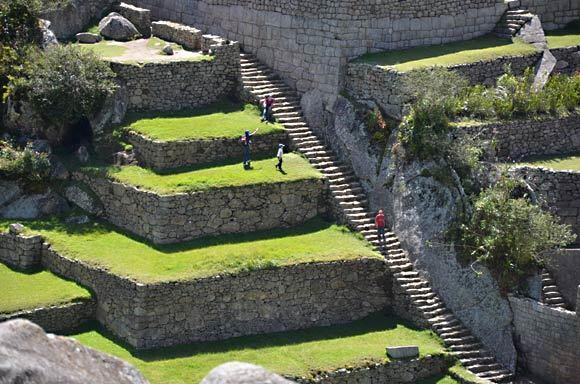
(377,126)
(509,234)
(26,165)
(65,83)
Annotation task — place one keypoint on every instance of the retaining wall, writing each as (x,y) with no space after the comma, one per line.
(173,154)
(384,85)
(554,13)
(141,18)
(547,340)
(559,191)
(564,265)
(568,60)
(519,139)
(165,219)
(188,37)
(61,319)
(224,306)
(20,252)
(308,43)
(175,85)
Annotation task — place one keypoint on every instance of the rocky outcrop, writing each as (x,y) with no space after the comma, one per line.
(242,373)
(30,356)
(116,27)
(421,207)
(35,206)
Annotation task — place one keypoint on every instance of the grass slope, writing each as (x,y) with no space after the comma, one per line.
(105,49)
(564,163)
(567,37)
(221,120)
(200,178)
(461,52)
(22,291)
(101,245)
(296,353)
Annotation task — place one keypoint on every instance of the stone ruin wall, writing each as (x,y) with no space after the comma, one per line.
(547,339)
(173,154)
(20,252)
(558,191)
(554,14)
(519,139)
(564,265)
(224,306)
(175,85)
(309,43)
(165,219)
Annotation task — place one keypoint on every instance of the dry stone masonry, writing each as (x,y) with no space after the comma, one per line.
(564,266)
(187,37)
(180,85)
(141,18)
(173,154)
(20,251)
(165,219)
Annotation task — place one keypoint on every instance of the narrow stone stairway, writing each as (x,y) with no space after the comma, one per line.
(351,203)
(551,295)
(512,20)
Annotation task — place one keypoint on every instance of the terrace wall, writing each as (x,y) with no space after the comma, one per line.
(225,306)
(554,13)
(20,252)
(175,85)
(383,85)
(547,339)
(165,219)
(564,265)
(61,319)
(173,154)
(309,42)
(558,191)
(568,60)
(520,139)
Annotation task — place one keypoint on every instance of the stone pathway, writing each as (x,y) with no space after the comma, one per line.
(551,295)
(513,20)
(349,197)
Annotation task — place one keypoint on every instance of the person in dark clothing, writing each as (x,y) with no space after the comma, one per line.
(380,225)
(246,143)
(267,105)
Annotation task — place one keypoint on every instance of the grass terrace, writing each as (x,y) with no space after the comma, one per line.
(566,37)
(225,119)
(124,255)
(462,52)
(29,290)
(563,163)
(296,353)
(205,177)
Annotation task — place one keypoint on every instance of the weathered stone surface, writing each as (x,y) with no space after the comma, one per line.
(84,199)
(242,373)
(16,228)
(168,50)
(116,27)
(403,352)
(74,16)
(140,17)
(88,38)
(9,191)
(35,206)
(20,251)
(29,354)
(564,265)
(553,13)
(312,104)
(186,36)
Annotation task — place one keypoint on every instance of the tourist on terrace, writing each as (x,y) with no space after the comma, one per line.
(279,155)
(246,143)
(380,225)
(267,105)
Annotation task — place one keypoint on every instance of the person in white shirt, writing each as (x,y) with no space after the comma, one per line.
(279,155)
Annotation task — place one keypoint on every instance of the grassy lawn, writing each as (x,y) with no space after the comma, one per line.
(221,120)
(558,163)
(296,353)
(105,49)
(204,177)
(461,52)
(21,291)
(567,37)
(102,245)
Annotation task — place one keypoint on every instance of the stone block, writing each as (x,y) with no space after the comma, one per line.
(403,352)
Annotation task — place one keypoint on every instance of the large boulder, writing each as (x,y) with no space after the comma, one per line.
(242,373)
(35,206)
(30,356)
(84,199)
(9,191)
(116,27)
(88,38)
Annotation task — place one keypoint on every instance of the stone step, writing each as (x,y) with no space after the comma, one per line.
(477,361)
(494,374)
(447,320)
(468,354)
(453,334)
(467,340)
(482,368)
(558,300)
(466,347)
(436,312)
(549,288)
(552,295)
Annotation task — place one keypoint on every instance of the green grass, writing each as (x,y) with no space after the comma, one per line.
(462,52)
(22,291)
(557,163)
(567,37)
(439,379)
(221,120)
(296,353)
(201,178)
(105,49)
(102,245)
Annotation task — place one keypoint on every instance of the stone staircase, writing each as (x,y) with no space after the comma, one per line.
(551,295)
(512,20)
(350,200)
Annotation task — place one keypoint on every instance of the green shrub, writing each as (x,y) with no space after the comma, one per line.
(509,234)
(377,126)
(65,84)
(26,165)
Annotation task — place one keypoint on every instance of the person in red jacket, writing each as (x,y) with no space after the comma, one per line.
(380,225)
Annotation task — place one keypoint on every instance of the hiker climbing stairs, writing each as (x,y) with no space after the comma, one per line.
(551,295)
(348,195)
(513,20)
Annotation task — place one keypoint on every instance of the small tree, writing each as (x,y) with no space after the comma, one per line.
(509,234)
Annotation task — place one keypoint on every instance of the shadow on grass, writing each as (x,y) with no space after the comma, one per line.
(374,323)
(431,51)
